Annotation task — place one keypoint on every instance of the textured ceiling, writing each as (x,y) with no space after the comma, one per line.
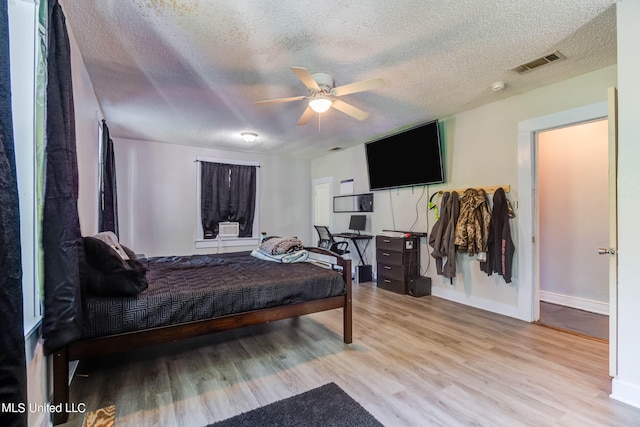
(189,71)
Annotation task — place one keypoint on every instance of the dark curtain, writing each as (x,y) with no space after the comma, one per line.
(61,239)
(214,197)
(108,209)
(13,371)
(227,193)
(242,197)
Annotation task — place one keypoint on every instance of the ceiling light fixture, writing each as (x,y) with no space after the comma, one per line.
(249,136)
(320,103)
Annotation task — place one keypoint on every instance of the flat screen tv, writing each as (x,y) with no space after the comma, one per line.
(408,158)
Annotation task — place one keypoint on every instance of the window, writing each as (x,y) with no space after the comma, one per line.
(27,85)
(227,191)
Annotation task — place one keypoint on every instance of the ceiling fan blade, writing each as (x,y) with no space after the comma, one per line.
(349,109)
(306,116)
(275,101)
(358,87)
(306,78)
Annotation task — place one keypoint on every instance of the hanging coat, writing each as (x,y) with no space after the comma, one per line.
(442,236)
(472,228)
(500,248)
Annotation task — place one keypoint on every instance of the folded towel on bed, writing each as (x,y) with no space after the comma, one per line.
(280,245)
(298,256)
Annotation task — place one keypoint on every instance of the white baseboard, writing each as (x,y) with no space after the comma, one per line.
(481,303)
(575,302)
(625,392)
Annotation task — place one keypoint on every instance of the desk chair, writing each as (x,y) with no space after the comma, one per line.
(326,241)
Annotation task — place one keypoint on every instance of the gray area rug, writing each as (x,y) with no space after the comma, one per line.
(327,405)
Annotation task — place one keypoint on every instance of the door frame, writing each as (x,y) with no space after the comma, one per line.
(527,190)
(314,184)
(528,296)
(612,112)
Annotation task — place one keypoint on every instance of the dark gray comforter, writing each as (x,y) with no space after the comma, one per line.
(187,288)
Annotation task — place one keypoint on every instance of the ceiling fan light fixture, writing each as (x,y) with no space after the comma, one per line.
(320,104)
(248,136)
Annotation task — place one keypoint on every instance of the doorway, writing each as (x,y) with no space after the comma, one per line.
(528,299)
(572,223)
(321,200)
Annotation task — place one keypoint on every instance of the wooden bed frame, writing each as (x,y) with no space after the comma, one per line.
(120,343)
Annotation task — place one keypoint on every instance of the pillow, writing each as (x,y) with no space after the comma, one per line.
(103,272)
(110,238)
(131,254)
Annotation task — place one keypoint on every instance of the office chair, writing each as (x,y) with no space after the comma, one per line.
(326,241)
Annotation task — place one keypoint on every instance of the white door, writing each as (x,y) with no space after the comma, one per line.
(322,204)
(573,215)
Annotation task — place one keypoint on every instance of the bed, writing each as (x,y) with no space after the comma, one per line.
(188,296)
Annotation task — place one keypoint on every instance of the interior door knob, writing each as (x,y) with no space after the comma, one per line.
(605,251)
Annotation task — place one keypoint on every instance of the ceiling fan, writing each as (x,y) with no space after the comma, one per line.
(324,95)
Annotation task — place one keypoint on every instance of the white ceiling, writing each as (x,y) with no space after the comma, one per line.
(189,71)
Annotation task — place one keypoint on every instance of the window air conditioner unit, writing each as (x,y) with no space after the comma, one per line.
(228,229)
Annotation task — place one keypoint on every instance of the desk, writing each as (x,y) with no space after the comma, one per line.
(355,238)
(363,271)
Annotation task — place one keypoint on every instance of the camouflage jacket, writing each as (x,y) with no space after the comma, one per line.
(472,228)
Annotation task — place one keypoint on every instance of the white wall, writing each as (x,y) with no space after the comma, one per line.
(88,115)
(480,148)
(157,195)
(573,212)
(626,386)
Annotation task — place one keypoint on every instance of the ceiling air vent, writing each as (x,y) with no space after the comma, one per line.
(544,60)
(335,149)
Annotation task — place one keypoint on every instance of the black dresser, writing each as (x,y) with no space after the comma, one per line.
(398,259)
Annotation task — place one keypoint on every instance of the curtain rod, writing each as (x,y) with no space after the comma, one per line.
(228,162)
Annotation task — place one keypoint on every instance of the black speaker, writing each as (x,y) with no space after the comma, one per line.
(364,273)
(419,286)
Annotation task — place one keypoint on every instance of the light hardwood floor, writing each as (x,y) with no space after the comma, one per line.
(413,362)
(574,320)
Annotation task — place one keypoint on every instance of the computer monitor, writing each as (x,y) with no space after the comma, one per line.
(357,222)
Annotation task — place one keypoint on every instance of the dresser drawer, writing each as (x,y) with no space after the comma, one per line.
(397,286)
(399,272)
(389,257)
(390,243)
(397,244)
(391,271)
(397,258)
